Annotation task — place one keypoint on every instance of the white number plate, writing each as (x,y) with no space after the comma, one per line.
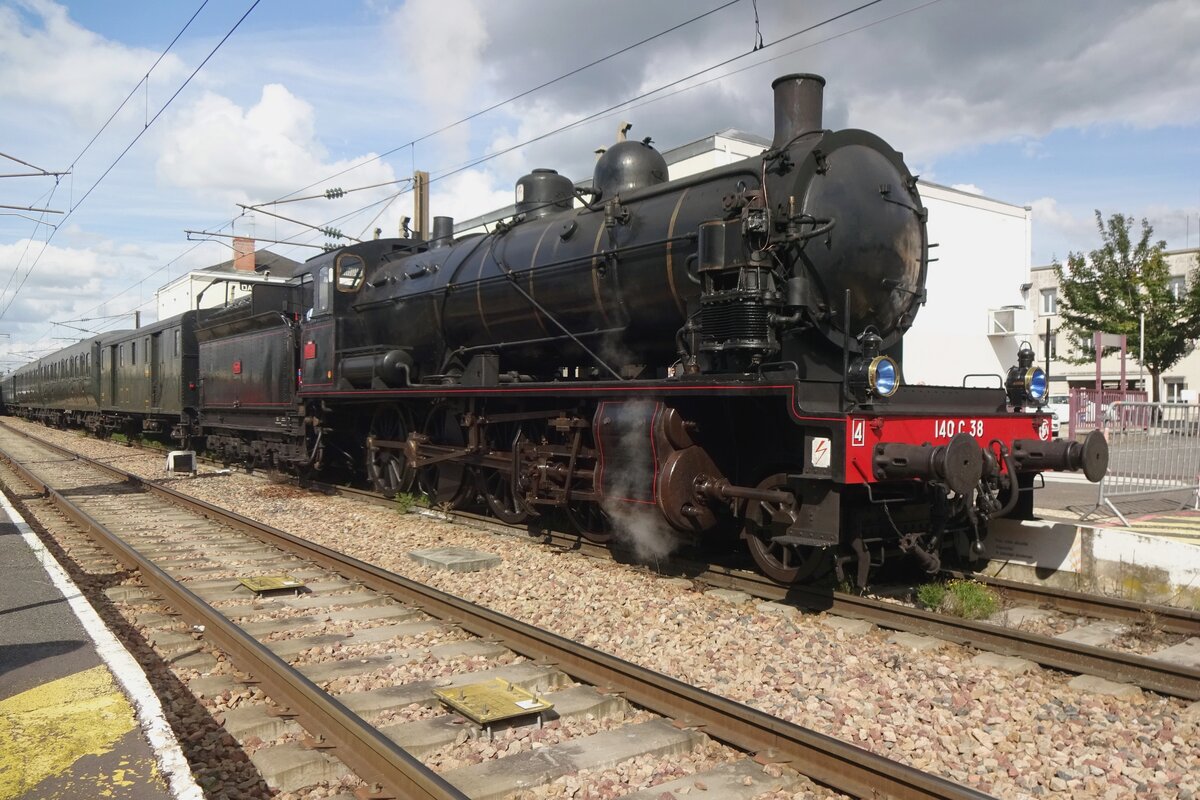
(946,428)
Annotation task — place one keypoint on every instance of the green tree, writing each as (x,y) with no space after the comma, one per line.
(1110,288)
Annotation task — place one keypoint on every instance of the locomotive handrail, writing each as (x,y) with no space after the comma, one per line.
(999,379)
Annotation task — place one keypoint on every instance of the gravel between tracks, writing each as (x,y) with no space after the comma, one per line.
(1016,736)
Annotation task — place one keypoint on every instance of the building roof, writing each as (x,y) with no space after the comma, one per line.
(264,261)
(709,143)
(1173,256)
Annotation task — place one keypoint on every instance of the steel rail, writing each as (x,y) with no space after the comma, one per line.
(370,754)
(829,761)
(1169,619)
(1155,674)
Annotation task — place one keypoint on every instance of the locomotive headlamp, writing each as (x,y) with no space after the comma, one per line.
(883,377)
(1026,383)
(872,373)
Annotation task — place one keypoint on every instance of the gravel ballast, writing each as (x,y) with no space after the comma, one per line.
(1025,735)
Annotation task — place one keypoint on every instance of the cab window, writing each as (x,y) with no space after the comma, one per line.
(324,291)
(350,271)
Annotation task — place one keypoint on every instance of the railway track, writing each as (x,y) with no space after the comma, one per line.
(1114,665)
(187,552)
(1147,672)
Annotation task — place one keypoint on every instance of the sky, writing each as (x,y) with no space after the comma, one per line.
(1067,107)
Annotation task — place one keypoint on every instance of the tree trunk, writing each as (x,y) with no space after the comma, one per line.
(1154,382)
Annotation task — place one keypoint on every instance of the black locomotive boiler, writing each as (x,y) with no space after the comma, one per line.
(721,352)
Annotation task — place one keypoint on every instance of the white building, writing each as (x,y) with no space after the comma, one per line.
(221,283)
(975,317)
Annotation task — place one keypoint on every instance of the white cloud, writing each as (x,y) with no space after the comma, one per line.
(440,63)
(1058,231)
(48,59)
(233,154)
(969,188)
(468,194)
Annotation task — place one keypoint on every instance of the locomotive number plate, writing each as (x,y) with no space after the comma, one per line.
(948,428)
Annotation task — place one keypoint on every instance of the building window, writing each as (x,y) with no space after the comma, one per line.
(1177,286)
(1175,388)
(1049,301)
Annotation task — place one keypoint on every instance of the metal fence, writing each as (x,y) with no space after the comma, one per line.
(1154,449)
(1090,407)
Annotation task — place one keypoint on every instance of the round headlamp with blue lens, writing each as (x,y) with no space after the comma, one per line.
(883,376)
(1035,384)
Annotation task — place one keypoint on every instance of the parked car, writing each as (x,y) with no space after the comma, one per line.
(1059,406)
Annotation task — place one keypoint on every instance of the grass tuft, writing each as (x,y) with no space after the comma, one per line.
(406,502)
(931,595)
(966,599)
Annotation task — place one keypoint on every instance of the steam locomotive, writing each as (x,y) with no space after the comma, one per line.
(718,353)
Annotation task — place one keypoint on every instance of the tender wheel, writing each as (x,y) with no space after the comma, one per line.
(389,470)
(783,563)
(447,482)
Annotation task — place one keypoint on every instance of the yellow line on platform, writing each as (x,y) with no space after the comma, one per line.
(44,730)
(1168,534)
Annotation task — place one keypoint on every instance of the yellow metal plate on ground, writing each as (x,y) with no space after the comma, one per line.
(491,701)
(271,583)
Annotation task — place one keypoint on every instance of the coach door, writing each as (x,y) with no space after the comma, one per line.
(108,376)
(154,368)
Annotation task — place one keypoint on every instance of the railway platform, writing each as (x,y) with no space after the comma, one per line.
(1166,515)
(1152,555)
(78,718)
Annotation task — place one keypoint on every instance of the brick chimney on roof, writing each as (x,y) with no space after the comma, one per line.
(243,254)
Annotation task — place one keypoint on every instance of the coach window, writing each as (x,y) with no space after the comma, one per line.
(178,336)
(324,291)
(133,354)
(121,356)
(350,271)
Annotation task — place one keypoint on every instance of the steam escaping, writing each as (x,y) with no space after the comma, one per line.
(643,529)
(637,524)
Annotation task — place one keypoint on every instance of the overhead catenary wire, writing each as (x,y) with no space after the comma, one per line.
(71,169)
(144,80)
(128,147)
(596,115)
(40,172)
(516,97)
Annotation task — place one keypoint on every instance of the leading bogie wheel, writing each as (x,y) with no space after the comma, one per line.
(783,563)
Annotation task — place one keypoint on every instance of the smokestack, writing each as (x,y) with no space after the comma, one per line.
(798,101)
(443,232)
(243,254)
